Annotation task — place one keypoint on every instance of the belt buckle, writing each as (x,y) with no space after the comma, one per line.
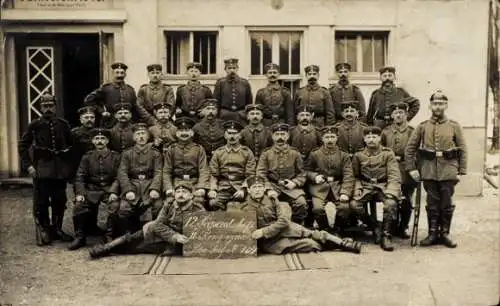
(231,177)
(186,177)
(192,113)
(329,179)
(141,177)
(439,153)
(234,107)
(373,180)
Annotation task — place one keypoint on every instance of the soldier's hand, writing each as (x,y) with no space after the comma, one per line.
(130,196)
(290,185)
(415,175)
(272,194)
(80,198)
(319,179)
(239,194)
(113,197)
(178,111)
(212,194)
(344,198)
(257,234)
(181,239)
(200,192)
(106,114)
(157,142)
(169,192)
(32,171)
(153,194)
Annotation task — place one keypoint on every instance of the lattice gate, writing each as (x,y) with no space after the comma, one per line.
(39,77)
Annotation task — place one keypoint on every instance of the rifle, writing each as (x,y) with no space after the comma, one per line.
(414,232)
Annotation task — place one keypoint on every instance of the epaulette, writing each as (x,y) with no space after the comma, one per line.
(206,86)
(267,149)
(411,128)
(181,86)
(324,88)
(63,120)
(364,124)
(88,153)
(144,85)
(337,124)
(453,121)
(424,122)
(75,129)
(386,149)
(106,84)
(354,86)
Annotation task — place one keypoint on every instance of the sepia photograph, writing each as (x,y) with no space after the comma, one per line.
(250,152)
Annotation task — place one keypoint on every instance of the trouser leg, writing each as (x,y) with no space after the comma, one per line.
(41,203)
(405,209)
(319,214)
(58,205)
(390,211)
(299,209)
(432,208)
(223,197)
(447,189)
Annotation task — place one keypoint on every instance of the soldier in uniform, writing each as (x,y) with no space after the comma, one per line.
(395,137)
(209,132)
(82,142)
(276,100)
(140,179)
(345,91)
(50,165)
(304,136)
(255,135)
(442,157)
(229,167)
(95,183)
(108,95)
(332,182)
(122,136)
(189,97)
(153,93)
(232,93)
(387,95)
(186,161)
(317,97)
(351,137)
(282,166)
(278,235)
(162,234)
(378,179)
(163,132)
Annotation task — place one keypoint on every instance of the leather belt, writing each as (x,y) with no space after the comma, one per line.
(373,180)
(186,177)
(233,177)
(141,177)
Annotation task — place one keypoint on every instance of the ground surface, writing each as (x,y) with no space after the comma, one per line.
(468,275)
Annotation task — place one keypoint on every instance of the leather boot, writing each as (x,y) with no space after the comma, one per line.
(404,220)
(432,221)
(56,228)
(447,216)
(386,241)
(351,246)
(374,226)
(42,233)
(345,244)
(102,250)
(111,224)
(322,221)
(80,239)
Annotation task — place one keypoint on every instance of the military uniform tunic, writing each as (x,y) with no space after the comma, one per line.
(232,96)
(122,137)
(150,95)
(396,138)
(189,98)
(305,139)
(277,103)
(341,93)
(82,144)
(350,136)
(381,101)
(210,135)
(318,98)
(257,138)
(165,134)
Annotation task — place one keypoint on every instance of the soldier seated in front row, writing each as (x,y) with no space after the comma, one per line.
(278,235)
(139,175)
(332,182)
(229,167)
(163,132)
(95,183)
(162,234)
(377,179)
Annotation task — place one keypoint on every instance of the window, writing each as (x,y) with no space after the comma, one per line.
(292,85)
(365,51)
(184,47)
(280,47)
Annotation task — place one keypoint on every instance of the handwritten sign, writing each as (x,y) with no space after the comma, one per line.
(62,4)
(220,234)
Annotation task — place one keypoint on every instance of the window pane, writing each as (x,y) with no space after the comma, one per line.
(284,40)
(177,51)
(339,50)
(366,44)
(351,52)
(380,50)
(295,41)
(255,53)
(267,48)
(260,51)
(212,68)
(204,50)
(345,49)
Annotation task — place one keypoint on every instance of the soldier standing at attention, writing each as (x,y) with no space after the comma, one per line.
(317,97)
(345,91)
(442,153)
(95,183)
(304,136)
(190,97)
(395,137)
(232,93)
(163,132)
(122,135)
(109,94)
(50,166)
(209,132)
(276,100)
(153,93)
(255,135)
(82,140)
(351,137)
(387,95)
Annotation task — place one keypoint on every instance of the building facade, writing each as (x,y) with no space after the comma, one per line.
(66,46)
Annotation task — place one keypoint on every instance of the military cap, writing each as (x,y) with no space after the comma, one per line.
(387,68)
(269,66)
(232,125)
(208,102)
(280,127)
(438,96)
(47,98)
(86,110)
(305,109)
(139,127)
(154,67)
(330,129)
(349,103)
(400,105)
(375,130)
(122,106)
(183,184)
(100,132)
(231,61)
(194,65)
(119,65)
(161,106)
(184,123)
(343,66)
(251,107)
(255,179)
(311,68)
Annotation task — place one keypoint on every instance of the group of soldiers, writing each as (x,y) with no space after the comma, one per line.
(310,166)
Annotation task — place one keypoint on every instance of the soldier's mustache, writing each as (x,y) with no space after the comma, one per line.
(387,82)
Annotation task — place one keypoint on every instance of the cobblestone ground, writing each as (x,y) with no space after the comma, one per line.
(468,275)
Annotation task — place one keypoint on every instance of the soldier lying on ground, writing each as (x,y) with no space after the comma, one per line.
(278,235)
(164,234)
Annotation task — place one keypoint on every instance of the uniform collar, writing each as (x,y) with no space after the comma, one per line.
(118,84)
(141,150)
(183,207)
(373,153)
(103,154)
(400,128)
(259,127)
(343,84)
(345,122)
(284,149)
(127,125)
(329,151)
(228,148)
(441,120)
(185,144)
(235,79)
(273,85)
(308,128)
(312,87)
(194,83)
(154,85)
